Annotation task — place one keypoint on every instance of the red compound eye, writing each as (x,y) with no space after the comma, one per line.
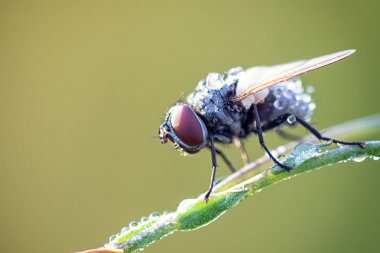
(186,125)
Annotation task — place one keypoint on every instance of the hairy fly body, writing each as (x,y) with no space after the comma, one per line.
(228,108)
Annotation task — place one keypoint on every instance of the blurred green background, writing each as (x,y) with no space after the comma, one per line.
(84,86)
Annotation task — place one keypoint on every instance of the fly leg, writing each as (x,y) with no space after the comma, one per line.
(317,134)
(213,158)
(262,143)
(225,159)
(243,152)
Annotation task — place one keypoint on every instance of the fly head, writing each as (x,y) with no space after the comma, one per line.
(184,128)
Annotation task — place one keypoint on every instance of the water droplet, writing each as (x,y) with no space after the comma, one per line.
(280,103)
(112,237)
(259,190)
(359,159)
(312,106)
(375,158)
(288,93)
(200,85)
(133,224)
(306,98)
(310,89)
(281,158)
(154,215)
(277,92)
(291,119)
(144,219)
(215,81)
(124,230)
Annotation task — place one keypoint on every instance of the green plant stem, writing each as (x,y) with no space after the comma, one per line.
(349,130)
(193,213)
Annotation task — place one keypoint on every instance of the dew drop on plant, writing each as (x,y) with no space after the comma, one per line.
(144,219)
(185,204)
(133,224)
(281,158)
(112,237)
(124,230)
(291,119)
(359,159)
(375,158)
(154,215)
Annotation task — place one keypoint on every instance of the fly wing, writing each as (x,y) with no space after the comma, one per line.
(268,76)
(255,76)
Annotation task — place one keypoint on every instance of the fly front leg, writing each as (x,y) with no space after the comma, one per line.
(213,158)
(262,143)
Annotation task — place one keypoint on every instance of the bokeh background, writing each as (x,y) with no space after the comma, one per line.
(84,86)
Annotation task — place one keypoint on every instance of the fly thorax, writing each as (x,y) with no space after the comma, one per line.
(210,101)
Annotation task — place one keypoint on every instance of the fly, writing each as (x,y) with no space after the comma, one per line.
(228,108)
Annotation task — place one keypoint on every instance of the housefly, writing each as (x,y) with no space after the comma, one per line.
(229,107)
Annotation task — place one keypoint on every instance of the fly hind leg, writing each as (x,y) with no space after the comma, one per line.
(317,134)
(281,119)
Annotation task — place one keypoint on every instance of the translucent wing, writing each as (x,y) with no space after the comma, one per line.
(280,73)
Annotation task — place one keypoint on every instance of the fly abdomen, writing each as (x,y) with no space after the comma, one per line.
(287,98)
